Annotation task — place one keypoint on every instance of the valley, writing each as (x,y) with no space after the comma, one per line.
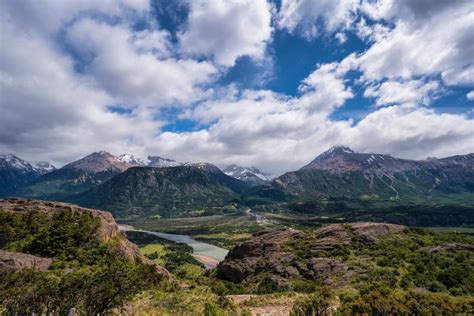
(349,232)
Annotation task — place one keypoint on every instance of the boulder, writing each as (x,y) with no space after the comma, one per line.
(323,267)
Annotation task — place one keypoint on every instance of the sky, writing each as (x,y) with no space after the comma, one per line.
(261,83)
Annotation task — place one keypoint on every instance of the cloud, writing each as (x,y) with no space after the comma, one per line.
(431,49)
(414,133)
(65,65)
(312,18)
(136,67)
(470,95)
(411,92)
(275,134)
(227,30)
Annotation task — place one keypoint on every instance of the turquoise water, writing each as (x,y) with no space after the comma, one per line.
(199,248)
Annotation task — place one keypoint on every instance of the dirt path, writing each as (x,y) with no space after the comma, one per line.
(263,306)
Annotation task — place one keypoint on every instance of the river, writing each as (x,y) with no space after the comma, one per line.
(207,254)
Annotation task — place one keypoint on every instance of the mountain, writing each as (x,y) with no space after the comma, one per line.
(250,175)
(341,172)
(169,192)
(76,177)
(156,161)
(44,167)
(15,173)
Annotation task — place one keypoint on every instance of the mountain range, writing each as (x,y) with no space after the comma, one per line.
(170,191)
(16,173)
(341,172)
(133,187)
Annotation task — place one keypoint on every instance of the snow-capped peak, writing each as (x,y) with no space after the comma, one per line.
(10,161)
(246,174)
(160,162)
(44,167)
(132,160)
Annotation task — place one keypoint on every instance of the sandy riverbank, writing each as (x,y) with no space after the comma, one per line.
(209,262)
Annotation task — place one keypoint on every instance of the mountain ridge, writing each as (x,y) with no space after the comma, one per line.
(341,172)
(168,191)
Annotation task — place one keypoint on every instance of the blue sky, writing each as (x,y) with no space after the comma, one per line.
(263,83)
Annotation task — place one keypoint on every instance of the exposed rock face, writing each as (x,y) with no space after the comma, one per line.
(99,162)
(322,267)
(335,236)
(106,231)
(370,232)
(277,253)
(261,253)
(450,246)
(18,260)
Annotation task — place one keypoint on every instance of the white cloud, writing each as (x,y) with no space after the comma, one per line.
(411,92)
(414,133)
(132,68)
(341,37)
(310,18)
(227,30)
(52,111)
(470,95)
(431,49)
(324,89)
(276,134)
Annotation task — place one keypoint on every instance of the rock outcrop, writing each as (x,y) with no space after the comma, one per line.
(18,260)
(106,232)
(450,246)
(282,255)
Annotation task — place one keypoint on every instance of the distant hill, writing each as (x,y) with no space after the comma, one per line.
(169,192)
(341,172)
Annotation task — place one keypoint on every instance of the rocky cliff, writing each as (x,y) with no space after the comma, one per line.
(106,232)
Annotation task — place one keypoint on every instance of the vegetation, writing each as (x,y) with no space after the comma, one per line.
(168,192)
(175,257)
(84,274)
(398,274)
(221,230)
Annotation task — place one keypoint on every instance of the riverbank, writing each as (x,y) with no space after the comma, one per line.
(209,255)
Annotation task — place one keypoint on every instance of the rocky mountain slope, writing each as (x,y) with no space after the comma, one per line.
(251,175)
(16,173)
(78,176)
(341,172)
(170,192)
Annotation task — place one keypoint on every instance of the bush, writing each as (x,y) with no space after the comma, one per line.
(322,302)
